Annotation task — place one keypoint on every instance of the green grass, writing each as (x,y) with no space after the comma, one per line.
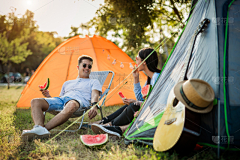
(68,145)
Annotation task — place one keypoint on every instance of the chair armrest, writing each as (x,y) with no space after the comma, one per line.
(105,92)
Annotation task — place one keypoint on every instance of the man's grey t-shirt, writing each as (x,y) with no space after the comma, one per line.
(80,89)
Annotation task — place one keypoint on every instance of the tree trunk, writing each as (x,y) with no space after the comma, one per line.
(2,67)
(8,70)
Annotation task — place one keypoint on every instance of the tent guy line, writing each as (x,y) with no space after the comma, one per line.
(114,88)
(198,125)
(43,6)
(163,42)
(109,92)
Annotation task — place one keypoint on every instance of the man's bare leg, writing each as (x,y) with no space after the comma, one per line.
(64,115)
(38,106)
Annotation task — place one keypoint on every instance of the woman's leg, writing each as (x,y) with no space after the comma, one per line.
(124,128)
(126,116)
(113,115)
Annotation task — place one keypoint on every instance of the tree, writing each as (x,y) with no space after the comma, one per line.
(73,33)
(25,29)
(13,33)
(134,21)
(75,30)
(14,51)
(41,44)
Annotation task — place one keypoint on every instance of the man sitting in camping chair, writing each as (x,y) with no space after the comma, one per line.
(75,95)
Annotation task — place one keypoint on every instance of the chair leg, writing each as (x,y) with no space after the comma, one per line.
(81,122)
(75,122)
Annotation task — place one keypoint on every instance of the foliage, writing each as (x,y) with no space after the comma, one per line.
(73,33)
(13,33)
(140,23)
(14,51)
(12,38)
(41,44)
(22,45)
(78,31)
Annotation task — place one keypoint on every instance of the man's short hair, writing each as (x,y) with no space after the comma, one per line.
(82,57)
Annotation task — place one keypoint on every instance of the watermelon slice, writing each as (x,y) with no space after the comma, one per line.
(135,66)
(121,95)
(94,140)
(46,85)
(146,89)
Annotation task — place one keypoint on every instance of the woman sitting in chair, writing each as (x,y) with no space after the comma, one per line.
(123,116)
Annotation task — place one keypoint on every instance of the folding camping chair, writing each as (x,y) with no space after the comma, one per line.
(105,78)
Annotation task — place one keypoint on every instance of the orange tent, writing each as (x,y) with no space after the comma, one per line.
(61,65)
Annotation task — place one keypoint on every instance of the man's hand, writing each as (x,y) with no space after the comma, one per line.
(92,113)
(45,93)
(128,101)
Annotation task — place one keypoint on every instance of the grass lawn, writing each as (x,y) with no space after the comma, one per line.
(68,145)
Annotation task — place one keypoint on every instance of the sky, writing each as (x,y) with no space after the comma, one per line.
(55,15)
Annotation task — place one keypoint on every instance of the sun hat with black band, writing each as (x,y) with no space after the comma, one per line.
(197,95)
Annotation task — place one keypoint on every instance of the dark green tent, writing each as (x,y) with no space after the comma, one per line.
(216,60)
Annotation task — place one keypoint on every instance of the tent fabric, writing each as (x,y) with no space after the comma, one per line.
(232,37)
(61,65)
(206,64)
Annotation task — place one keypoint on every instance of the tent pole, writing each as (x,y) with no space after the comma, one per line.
(69,66)
(219,138)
